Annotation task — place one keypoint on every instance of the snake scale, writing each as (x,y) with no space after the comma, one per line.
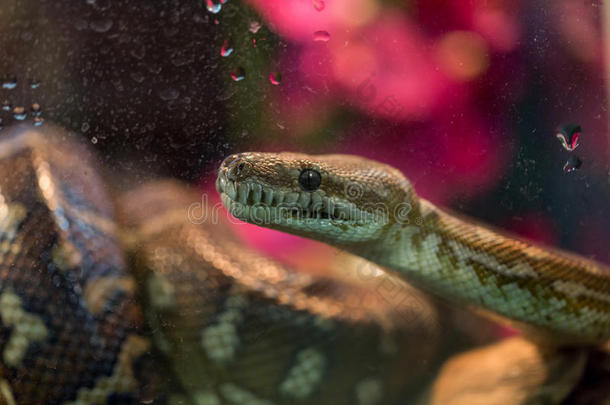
(126,298)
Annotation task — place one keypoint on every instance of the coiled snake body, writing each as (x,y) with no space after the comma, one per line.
(149,298)
(370,209)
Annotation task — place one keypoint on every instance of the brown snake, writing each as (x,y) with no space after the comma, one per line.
(370,209)
(127,299)
(130,300)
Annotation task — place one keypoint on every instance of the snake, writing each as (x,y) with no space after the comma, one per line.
(145,294)
(557,299)
(372,210)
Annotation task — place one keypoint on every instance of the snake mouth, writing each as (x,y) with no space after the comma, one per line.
(251,201)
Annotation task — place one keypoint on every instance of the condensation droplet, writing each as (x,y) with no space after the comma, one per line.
(85,127)
(101,26)
(275,78)
(138,52)
(227,48)
(319,5)
(94,140)
(238,74)
(321,36)
(36,110)
(254,27)
(1,124)
(9,83)
(137,77)
(213,7)
(169,94)
(568,135)
(6,106)
(34,83)
(19,113)
(38,121)
(573,164)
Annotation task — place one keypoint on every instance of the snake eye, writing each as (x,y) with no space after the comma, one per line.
(310,180)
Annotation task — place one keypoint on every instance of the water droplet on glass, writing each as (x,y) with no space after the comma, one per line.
(227,48)
(213,7)
(38,121)
(321,36)
(254,27)
(6,106)
(85,127)
(1,124)
(34,84)
(568,135)
(36,110)
(101,26)
(19,113)
(238,74)
(573,163)
(275,78)
(94,140)
(319,5)
(169,94)
(137,77)
(154,68)
(138,52)
(9,83)
(216,21)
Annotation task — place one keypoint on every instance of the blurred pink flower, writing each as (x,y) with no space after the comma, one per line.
(579,27)
(388,70)
(297,20)
(380,60)
(495,20)
(302,103)
(457,154)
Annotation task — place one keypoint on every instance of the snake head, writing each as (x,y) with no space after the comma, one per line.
(339,199)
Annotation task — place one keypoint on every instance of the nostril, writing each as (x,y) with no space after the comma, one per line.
(236,168)
(226,163)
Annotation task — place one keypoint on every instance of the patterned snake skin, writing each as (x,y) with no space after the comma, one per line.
(150,306)
(370,209)
(559,300)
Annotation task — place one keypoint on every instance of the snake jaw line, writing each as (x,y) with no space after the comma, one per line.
(260,204)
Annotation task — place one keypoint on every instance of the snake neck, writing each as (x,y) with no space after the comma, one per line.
(549,291)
